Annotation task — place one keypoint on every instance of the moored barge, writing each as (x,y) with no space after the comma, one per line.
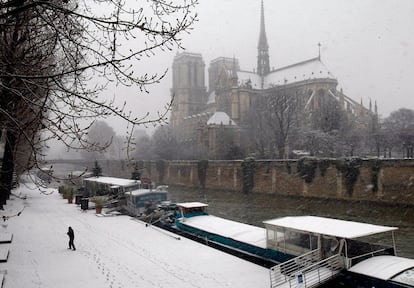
(308,251)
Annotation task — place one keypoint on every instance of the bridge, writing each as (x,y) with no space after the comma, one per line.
(63,167)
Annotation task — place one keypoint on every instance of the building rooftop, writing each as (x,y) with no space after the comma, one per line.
(220,118)
(306,70)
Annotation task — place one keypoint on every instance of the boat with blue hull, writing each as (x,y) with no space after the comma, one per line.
(306,251)
(194,219)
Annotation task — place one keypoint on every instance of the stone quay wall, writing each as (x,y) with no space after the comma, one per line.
(387,181)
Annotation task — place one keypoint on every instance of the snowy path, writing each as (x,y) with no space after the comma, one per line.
(111,252)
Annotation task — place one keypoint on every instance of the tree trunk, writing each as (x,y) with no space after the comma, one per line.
(7,167)
(281,151)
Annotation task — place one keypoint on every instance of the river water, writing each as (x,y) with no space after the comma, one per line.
(255,208)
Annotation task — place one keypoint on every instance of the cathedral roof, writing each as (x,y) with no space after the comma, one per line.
(306,70)
(249,78)
(220,118)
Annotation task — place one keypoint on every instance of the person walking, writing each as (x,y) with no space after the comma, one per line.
(71,235)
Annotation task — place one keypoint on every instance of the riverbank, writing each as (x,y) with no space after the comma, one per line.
(110,251)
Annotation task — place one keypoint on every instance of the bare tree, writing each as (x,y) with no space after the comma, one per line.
(400,124)
(164,143)
(317,142)
(100,135)
(143,146)
(226,144)
(281,118)
(257,137)
(52,51)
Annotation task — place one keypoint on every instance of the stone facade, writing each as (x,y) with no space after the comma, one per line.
(245,95)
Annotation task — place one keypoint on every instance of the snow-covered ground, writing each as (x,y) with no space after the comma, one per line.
(111,251)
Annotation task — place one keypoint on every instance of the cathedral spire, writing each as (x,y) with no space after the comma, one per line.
(234,72)
(263,66)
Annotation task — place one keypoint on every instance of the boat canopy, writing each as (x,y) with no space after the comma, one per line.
(192,205)
(383,267)
(113,181)
(327,226)
(140,192)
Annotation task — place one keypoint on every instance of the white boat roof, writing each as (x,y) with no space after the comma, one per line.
(139,192)
(383,267)
(113,181)
(192,204)
(328,226)
(235,230)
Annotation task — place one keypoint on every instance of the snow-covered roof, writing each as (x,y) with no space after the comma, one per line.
(235,230)
(306,70)
(140,192)
(113,181)
(310,69)
(383,267)
(212,98)
(192,204)
(328,226)
(245,77)
(204,114)
(220,118)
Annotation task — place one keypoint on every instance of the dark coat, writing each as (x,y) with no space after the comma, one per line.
(70,233)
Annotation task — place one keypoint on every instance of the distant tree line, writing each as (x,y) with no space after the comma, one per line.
(387,138)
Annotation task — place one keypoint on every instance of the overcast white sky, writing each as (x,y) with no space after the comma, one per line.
(367,44)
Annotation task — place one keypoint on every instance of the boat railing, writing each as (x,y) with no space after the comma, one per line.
(306,270)
(351,261)
(282,272)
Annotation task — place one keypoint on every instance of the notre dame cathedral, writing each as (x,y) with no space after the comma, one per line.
(266,113)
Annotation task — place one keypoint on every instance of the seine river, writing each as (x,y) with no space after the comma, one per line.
(255,208)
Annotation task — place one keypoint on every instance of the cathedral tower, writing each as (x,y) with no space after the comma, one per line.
(188,91)
(263,66)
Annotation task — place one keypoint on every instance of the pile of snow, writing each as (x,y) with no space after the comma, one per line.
(111,251)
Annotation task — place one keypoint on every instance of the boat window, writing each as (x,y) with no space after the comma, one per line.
(313,242)
(276,236)
(132,188)
(270,235)
(330,246)
(194,211)
(299,239)
(280,235)
(357,248)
